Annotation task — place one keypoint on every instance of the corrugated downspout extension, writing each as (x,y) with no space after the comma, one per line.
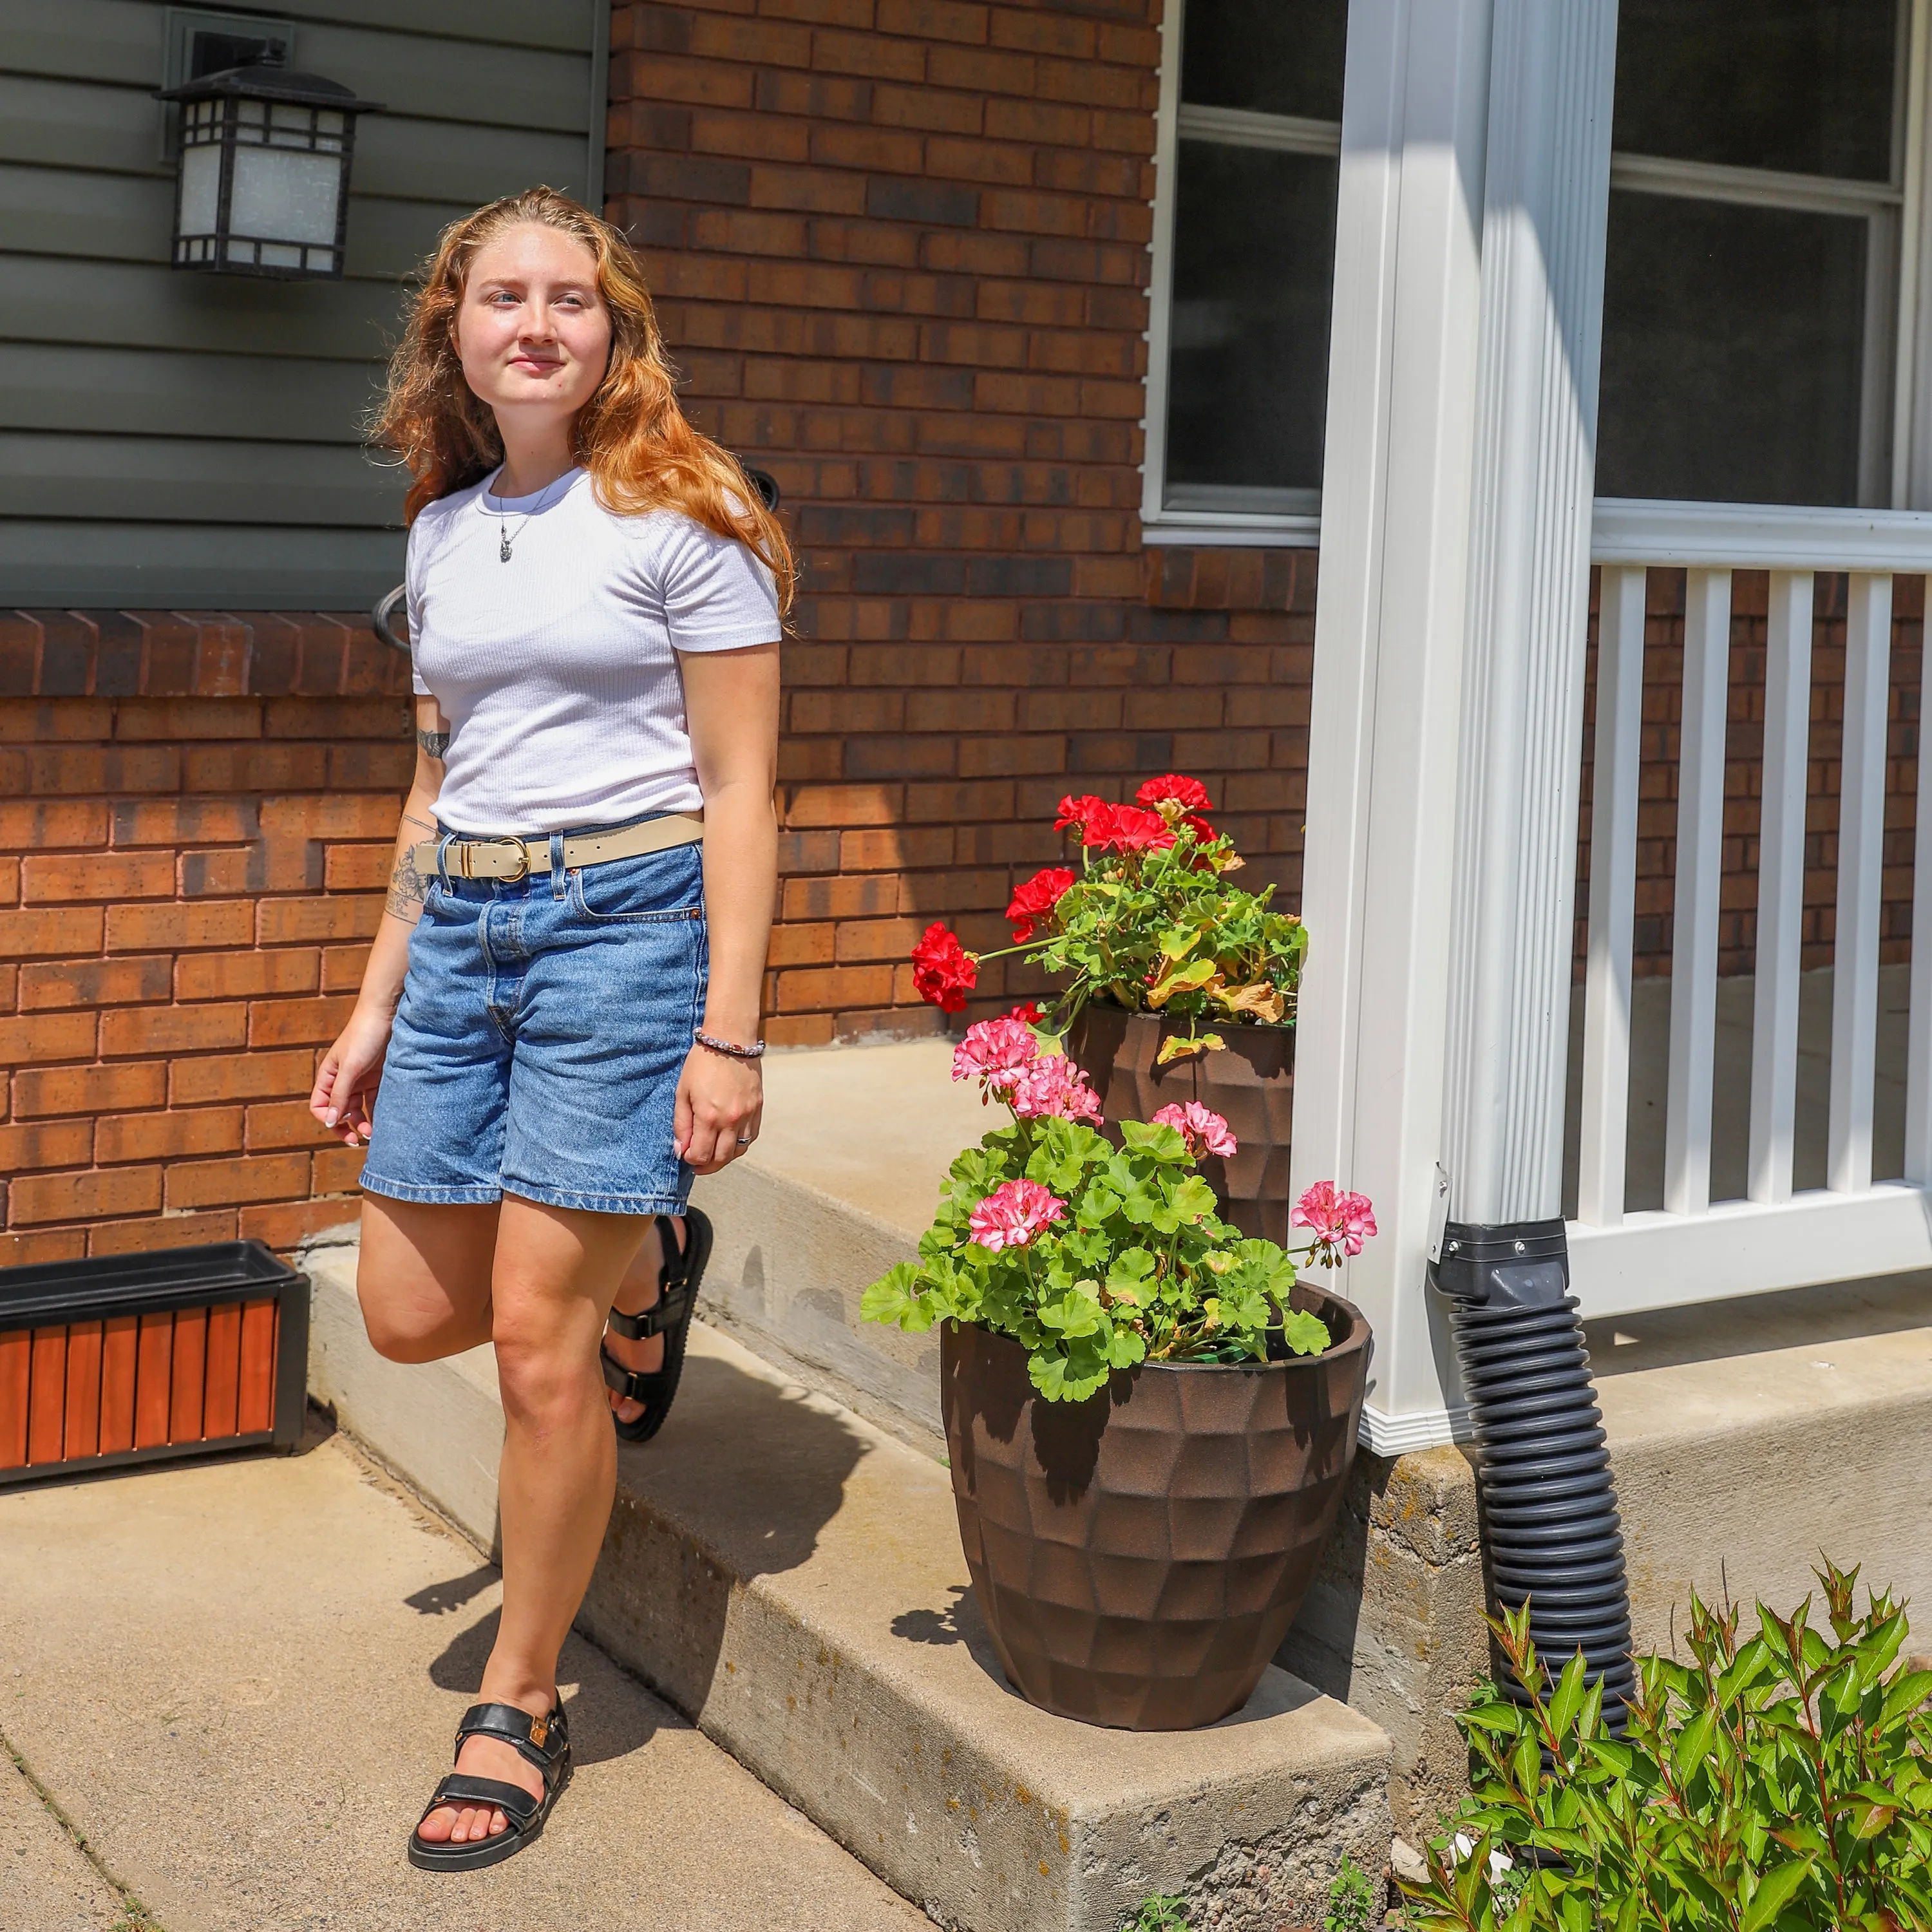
(1548,1506)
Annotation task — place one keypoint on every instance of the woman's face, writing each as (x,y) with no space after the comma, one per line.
(532,332)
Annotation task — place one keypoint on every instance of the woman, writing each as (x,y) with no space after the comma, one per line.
(562,1004)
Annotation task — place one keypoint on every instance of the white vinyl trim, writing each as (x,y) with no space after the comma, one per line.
(1657,1260)
(1251,528)
(1758,536)
(1393,1435)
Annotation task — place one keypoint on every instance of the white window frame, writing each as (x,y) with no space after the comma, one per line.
(1899,312)
(1206,522)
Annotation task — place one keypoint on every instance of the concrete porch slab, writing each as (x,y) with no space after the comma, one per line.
(791,1577)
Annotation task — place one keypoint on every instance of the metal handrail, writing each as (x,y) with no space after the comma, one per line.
(384,608)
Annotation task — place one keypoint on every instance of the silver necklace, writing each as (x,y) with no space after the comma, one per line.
(505,537)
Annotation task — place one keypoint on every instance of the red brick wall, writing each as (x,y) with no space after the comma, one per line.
(900,253)
(188,883)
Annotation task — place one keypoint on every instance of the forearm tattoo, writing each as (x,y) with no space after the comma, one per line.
(408,887)
(435,744)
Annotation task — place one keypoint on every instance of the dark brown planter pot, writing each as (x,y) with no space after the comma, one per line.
(1138,1557)
(1250,1083)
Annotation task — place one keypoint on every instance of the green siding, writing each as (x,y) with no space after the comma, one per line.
(194,441)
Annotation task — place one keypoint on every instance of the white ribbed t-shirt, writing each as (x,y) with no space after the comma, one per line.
(558,670)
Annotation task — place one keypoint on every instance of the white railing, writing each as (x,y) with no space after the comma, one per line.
(1693,1249)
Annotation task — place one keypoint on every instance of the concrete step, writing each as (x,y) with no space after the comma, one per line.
(790,1576)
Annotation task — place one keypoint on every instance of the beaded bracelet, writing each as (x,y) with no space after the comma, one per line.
(756,1050)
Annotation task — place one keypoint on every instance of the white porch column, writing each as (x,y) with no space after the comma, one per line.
(1546,186)
(1388,658)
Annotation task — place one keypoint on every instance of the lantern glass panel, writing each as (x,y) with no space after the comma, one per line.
(200,189)
(291,197)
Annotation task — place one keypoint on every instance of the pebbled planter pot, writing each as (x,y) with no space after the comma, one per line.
(1139,1556)
(1250,1083)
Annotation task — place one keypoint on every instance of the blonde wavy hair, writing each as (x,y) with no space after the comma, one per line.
(631,436)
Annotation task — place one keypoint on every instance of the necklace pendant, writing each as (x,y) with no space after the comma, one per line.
(503,547)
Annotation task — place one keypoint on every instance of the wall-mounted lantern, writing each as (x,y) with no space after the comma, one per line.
(263,188)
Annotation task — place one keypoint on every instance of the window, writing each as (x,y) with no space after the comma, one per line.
(1244,267)
(1751,285)
(1760,320)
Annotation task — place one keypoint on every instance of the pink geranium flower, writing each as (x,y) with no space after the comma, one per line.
(1201,1127)
(1340,1221)
(996,1053)
(1053,1086)
(1010,1217)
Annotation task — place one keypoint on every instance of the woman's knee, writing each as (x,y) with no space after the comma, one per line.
(546,1363)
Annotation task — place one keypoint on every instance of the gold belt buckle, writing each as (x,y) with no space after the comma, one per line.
(522,856)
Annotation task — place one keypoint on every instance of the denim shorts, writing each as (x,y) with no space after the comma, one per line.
(542,1027)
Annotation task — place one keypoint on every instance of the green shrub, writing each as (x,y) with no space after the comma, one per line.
(1779,1784)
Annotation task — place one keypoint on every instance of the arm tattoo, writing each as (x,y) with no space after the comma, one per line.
(435,744)
(408,887)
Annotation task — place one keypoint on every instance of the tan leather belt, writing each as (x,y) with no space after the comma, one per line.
(514,859)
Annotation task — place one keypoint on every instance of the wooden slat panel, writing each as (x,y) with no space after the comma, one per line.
(189,1374)
(16,1361)
(118,1352)
(154,1359)
(158,479)
(1613,810)
(1780,886)
(221,1393)
(1848,1167)
(83,1390)
(46,1402)
(121,40)
(131,304)
(255,1409)
(195,567)
(1700,826)
(162,392)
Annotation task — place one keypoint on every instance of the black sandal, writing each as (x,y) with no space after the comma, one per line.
(669,1316)
(542,1741)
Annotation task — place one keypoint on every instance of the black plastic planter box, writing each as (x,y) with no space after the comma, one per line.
(141,1358)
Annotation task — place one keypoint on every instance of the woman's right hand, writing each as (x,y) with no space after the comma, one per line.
(345,1085)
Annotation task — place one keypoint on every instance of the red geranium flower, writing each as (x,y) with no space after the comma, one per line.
(1190,794)
(1037,897)
(1135,830)
(943,971)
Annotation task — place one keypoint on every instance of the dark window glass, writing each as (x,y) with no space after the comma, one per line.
(1254,258)
(1733,341)
(1803,86)
(1272,56)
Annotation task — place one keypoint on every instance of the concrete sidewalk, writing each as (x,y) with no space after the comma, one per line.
(238,1680)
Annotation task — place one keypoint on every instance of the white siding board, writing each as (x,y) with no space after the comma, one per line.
(156,392)
(179,438)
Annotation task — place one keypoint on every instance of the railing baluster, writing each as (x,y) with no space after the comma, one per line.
(1860,877)
(1781,885)
(1918,1044)
(1613,809)
(1693,961)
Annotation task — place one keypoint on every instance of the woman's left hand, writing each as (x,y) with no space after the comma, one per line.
(719,1101)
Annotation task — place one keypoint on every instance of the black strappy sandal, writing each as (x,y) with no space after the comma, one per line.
(542,1741)
(669,1316)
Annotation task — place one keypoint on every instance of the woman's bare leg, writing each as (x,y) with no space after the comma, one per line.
(423,1277)
(636,1292)
(555,1270)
